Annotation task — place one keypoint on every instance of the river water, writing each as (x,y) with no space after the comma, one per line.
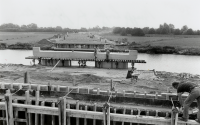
(159,62)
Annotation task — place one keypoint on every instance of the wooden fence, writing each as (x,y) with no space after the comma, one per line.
(65,114)
(36,111)
(98,91)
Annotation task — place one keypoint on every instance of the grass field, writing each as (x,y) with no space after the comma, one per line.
(183,41)
(24,37)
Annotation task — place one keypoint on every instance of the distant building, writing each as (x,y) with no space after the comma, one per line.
(81,41)
(85,45)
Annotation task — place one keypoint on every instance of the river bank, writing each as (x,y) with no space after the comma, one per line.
(94,78)
(140,48)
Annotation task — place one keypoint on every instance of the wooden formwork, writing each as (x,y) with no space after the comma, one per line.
(66,109)
(82,90)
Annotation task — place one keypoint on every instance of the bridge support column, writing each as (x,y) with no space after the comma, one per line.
(66,63)
(43,63)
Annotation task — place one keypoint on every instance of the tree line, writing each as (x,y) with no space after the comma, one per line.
(163,29)
(9,27)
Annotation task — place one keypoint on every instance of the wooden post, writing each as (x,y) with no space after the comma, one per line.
(42,115)
(38,88)
(108,114)
(138,111)
(108,92)
(88,90)
(11,86)
(77,89)
(26,77)
(124,93)
(98,91)
(156,96)
(58,88)
(147,113)
(9,109)
(156,113)
(68,117)
(77,108)
(16,113)
(49,89)
(53,117)
(145,94)
(173,118)
(85,120)
(94,109)
(131,114)
(62,111)
(124,111)
(198,116)
(4,116)
(104,116)
(37,95)
(67,88)
(115,110)
(74,80)
(30,122)
(167,115)
(111,85)
(27,99)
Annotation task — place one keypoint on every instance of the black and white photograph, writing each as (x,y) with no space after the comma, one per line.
(99,62)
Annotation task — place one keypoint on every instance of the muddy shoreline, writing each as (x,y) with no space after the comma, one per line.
(94,78)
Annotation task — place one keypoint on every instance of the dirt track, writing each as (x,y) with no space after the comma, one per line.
(93,78)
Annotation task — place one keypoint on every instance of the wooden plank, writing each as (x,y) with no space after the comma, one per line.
(129,106)
(2,119)
(99,115)
(2,106)
(43,88)
(140,119)
(19,120)
(7,85)
(63,88)
(83,90)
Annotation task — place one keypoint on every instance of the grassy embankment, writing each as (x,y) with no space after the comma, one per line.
(22,40)
(178,44)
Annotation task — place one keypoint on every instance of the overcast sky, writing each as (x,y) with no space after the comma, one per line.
(90,13)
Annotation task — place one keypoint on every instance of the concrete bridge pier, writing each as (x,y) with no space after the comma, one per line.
(66,63)
(55,62)
(43,62)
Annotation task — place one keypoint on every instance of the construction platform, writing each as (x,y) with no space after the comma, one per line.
(102,59)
